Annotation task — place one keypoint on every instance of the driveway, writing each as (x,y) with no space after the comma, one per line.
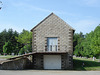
(47,72)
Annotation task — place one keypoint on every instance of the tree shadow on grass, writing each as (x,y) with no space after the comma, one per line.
(78,64)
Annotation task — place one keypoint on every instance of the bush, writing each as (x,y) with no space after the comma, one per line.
(22,51)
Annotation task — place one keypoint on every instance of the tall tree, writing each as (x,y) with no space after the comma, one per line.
(89,45)
(95,42)
(92,43)
(3,39)
(9,37)
(78,47)
(25,38)
(7,48)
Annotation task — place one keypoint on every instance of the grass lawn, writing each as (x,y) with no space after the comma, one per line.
(6,57)
(88,64)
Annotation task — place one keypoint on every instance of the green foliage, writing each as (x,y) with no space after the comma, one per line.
(88,46)
(9,44)
(88,51)
(95,42)
(25,37)
(6,36)
(7,48)
(25,49)
(3,39)
(78,47)
(22,51)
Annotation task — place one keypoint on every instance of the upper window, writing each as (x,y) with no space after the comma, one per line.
(52,44)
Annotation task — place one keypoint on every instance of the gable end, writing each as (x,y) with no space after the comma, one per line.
(48,17)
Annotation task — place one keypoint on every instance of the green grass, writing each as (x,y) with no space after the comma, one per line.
(89,64)
(6,57)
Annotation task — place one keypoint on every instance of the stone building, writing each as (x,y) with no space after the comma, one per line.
(52,43)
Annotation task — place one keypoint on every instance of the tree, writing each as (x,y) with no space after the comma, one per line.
(88,51)
(95,42)
(8,41)
(3,39)
(7,48)
(9,35)
(25,38)
(78,47)
(92,43)
(89,45)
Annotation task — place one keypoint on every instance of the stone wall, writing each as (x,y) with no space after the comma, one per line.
(16,64)
(37,61)
(66,61)
(52,26)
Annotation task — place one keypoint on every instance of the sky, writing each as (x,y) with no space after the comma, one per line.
(82,15)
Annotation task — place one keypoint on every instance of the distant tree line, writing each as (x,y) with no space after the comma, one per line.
(14,42)
(87,45)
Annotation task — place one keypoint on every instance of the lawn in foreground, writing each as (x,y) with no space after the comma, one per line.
(7,56)
(88,64)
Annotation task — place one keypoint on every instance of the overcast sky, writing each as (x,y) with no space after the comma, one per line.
(82,15)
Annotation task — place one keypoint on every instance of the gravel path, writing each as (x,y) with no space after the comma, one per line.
(47,72)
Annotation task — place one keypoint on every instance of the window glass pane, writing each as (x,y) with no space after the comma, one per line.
(52,43)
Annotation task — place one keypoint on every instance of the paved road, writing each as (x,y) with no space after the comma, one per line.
(47,72)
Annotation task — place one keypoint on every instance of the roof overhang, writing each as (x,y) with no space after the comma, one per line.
(51,53)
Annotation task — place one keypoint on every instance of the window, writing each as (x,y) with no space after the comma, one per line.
(52,44)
